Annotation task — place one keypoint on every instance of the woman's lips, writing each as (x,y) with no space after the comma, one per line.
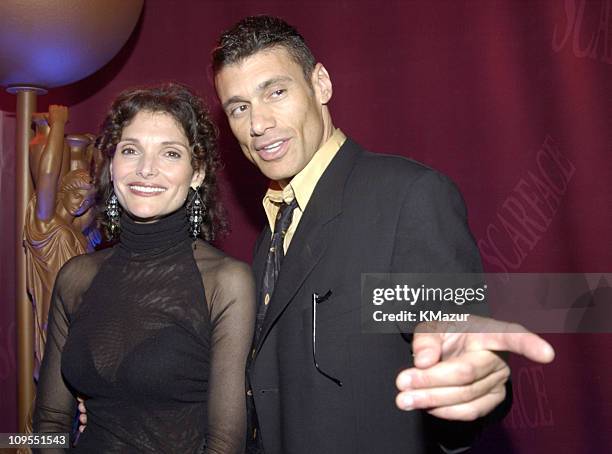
(146,190)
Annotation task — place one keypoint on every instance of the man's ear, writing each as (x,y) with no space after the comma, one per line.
(321,83)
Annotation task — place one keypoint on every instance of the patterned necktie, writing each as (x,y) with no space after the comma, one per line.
(273,262)
(271,270)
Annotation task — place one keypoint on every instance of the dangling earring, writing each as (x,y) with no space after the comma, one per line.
(112,214)
(195,212)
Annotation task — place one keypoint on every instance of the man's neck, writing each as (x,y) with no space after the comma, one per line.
(328,132)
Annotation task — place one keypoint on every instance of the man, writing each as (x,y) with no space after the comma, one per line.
(317,384)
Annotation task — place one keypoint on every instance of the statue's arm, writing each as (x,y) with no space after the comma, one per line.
(50,166)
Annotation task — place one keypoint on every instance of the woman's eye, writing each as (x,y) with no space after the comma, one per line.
(128,151)
(173,154)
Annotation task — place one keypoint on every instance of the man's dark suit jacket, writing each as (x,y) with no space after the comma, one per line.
(368,213)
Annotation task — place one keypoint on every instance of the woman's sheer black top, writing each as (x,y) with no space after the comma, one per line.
(154,333)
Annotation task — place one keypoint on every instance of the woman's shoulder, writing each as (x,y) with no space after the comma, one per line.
(89,259)
(228,284)
(76,275)
(84,266)
(216,264)
(215,259)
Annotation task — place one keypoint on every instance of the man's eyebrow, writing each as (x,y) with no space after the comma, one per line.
(265,84)
(261,87)
(232,100)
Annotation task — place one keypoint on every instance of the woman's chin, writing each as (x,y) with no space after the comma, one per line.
(146,215)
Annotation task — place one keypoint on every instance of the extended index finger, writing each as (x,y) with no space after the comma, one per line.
(497,335)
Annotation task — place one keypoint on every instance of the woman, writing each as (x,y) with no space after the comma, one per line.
(153,332)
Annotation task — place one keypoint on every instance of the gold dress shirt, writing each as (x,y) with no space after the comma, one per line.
(301,186)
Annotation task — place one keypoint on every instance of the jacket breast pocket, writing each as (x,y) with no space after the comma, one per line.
(331,311)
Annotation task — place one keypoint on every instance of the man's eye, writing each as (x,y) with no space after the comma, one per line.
(236,111)
(279,92)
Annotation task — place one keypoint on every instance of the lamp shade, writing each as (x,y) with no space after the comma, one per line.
(50,43)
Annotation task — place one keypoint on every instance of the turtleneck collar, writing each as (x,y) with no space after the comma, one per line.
(154,237)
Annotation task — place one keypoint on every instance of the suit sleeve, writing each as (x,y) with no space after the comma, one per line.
(433,236)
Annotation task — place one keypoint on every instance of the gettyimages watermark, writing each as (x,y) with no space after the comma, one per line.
(540,302)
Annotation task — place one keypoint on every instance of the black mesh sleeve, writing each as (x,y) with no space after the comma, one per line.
(55,405)
(232,311)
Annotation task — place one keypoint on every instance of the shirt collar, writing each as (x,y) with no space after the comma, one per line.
(303,184)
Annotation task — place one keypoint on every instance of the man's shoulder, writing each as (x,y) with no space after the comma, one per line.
(386,163)
(391,176)
(389,168)
(389,163)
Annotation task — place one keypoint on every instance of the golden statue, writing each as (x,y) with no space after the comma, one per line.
(57,214)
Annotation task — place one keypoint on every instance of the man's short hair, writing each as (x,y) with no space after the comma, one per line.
(257,33)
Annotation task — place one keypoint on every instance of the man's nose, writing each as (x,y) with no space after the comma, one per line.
(261,120)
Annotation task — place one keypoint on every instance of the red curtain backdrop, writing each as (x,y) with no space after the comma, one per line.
(512,99)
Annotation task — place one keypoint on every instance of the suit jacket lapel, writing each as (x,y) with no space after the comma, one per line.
(311,237)
(259,256)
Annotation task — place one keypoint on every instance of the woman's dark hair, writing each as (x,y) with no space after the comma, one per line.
(191,114)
